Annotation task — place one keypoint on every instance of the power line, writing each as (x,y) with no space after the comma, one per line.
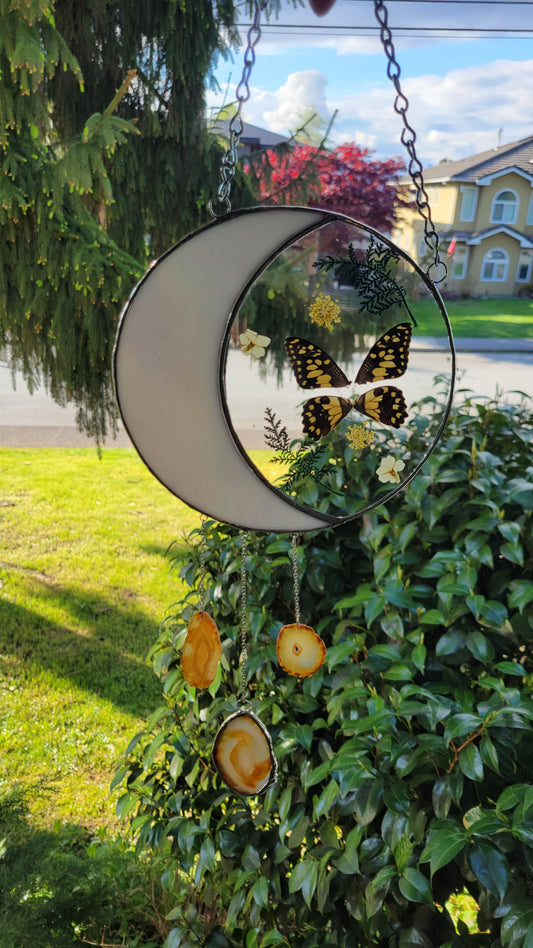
(370,30)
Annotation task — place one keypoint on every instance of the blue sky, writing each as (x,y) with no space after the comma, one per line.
(462,86)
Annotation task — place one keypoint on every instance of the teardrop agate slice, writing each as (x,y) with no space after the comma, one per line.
(243,754)
(300,650)
(201,651)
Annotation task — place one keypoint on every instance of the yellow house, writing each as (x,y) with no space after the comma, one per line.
(482,209)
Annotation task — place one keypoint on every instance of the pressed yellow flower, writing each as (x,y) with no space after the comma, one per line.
(389,470)
(253,344)
(359,436)
(324,311)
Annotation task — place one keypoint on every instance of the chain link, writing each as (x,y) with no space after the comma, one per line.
(295,577)
(244,622)
(221,205)
(408,138)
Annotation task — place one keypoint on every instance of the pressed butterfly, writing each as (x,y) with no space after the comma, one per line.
(314,368)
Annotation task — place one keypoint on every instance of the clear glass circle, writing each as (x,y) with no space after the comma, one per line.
(338,360)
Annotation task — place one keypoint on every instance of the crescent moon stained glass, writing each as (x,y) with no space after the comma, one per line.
(308,339)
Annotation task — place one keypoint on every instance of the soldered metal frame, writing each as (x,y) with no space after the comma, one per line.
(167,337)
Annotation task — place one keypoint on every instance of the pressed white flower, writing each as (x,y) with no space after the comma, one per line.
(389,470)
(253,344)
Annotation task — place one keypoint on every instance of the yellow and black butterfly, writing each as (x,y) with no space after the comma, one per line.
(314,368)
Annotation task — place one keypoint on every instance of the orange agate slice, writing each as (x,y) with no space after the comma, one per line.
(300,650)
(243,755)
(201,651)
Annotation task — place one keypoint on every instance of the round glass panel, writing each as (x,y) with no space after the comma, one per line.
(338,359)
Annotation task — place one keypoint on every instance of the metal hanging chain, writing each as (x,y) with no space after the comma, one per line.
(408,137)
(295,577)
(202,565)
(244,622)
(221,205)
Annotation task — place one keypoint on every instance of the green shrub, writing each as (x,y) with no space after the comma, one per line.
(405,762)
(60,889)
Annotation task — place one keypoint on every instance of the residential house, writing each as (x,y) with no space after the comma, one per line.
(253,138)
(482,208)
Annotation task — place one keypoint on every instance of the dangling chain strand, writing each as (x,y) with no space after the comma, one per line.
(408,138)
(202,589)
(236,125)
(295,578)
(244,622)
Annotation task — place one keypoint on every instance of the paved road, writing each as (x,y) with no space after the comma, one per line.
(484,366)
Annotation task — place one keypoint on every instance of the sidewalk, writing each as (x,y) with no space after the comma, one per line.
(466,344)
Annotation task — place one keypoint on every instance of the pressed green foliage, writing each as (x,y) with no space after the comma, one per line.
(405,763)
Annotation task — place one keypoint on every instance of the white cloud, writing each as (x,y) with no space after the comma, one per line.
(454,115)
(302,91)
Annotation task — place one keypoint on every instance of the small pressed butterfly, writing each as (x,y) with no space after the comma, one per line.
(314,368)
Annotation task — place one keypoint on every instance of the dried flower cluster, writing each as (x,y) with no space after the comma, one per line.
(324,311)
(359,436)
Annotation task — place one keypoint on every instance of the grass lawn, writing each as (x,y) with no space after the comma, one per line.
(476,318)
(84,585)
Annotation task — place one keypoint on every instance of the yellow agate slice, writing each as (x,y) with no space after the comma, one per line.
(243,755)
(201,651)
(300,650)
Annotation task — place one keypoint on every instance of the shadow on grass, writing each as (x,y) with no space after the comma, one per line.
(104,651)
(62,889)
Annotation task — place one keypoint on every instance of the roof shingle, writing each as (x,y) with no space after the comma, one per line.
(518,154)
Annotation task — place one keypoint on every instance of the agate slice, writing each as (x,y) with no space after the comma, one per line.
(201,651)
(300,650)
(243,754)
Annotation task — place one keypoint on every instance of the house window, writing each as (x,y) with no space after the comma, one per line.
(459,263)
(504,208)
(529,218)
(523,271)
(495,266)
(468,204)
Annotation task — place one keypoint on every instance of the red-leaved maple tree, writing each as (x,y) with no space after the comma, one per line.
(346,180)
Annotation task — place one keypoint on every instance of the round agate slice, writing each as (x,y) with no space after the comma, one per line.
(243,754)
(201,651)
(300,650)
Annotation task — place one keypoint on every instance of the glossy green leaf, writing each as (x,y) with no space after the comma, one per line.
(450,643)
(414,886)
(520,594)
(511,668)
(461,725)
(419,656)
(490,867)
(273,939)
(445,841)
(471,763)
(480,646)
(260,891)
(303,878)
(512,552)
(377,889)
(327,798)
(441,796)
(367,802)
(432,617)
(251,859)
